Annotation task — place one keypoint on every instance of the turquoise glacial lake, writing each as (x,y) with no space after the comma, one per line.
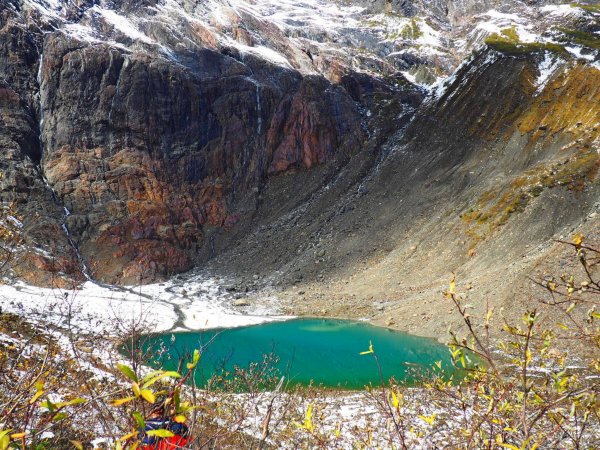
(323,352)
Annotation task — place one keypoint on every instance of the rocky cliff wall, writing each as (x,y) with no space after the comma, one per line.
(142,153)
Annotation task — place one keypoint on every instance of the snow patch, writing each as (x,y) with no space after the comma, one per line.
(47,8)
(563,10)
(577,52)
(123,25)
(547,68)
(492,13)
(264,53)
(195,304)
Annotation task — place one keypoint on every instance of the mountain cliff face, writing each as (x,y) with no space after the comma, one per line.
(145,153)
(141,139)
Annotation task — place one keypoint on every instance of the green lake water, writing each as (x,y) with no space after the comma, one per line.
(323,351)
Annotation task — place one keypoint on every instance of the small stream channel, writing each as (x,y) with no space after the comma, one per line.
(325,352)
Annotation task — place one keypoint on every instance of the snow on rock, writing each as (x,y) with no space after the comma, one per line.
(563,10)
(122,24)
(499,21)
(48,8)
(317,14)
(265,53)
(547,68)
(577,52)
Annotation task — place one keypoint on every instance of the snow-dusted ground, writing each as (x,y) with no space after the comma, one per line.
(193,304)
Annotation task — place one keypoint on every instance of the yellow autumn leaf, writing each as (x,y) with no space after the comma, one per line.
(16,436)
(161,433)
(136,389)
(129,436)
(122,401)
(578,239)
(78,445)
(195,360)
(180,418)
(512,447)
(368,352)
(452,288)
(4,440)
(396,399)
(35,397)
(148,395)
(488,315)
(308,422)
(428,419)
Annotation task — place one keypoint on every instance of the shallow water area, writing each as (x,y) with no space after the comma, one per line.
(326,352)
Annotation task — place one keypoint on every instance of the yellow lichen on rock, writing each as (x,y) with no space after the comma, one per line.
(568,103)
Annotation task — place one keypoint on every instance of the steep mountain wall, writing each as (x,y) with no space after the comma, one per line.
(143,151)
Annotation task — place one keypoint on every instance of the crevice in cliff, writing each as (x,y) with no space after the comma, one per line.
(39,167)
(65,228)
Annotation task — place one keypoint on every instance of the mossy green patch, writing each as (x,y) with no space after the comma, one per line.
(511,33)
(583,38)
(588,8)
(411,30)
(506,43)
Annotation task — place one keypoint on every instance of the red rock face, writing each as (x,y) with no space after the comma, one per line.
(145,154)
(308,136)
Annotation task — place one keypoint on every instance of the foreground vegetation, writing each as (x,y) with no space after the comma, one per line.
(64,387)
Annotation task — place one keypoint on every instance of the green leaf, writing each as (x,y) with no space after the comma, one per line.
(139,420)
(60,416)
(161,433)
(127,371)
(75,401)
(51,407)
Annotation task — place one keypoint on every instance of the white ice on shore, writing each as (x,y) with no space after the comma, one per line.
(195,304)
